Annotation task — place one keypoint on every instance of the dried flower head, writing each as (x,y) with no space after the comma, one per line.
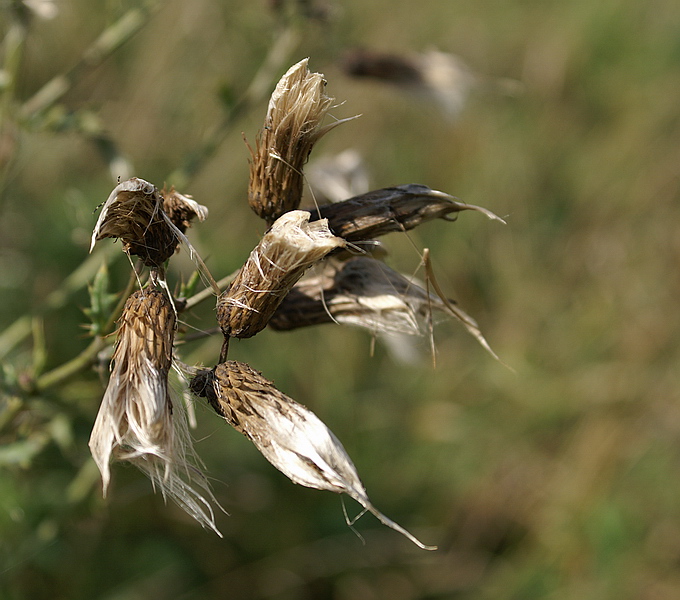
(362,292)
(290,436)
(437,76)
(336,178)
(137,421)
(286,251)
(365,292)
(391,209)
(134,213)
(292,126)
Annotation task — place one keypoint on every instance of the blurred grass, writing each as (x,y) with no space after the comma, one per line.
(559,480)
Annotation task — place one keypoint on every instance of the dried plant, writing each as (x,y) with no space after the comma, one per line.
(286,251)
(137,421)
(362,292)
(181,209)
(150,223)
(292,126)
(336,178)
(391,209)
(288,435)
(437,76)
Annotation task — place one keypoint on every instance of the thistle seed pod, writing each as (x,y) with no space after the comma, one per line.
(336,178)
(362,292)
(386,210)
(290,436)
(286,251)
(135,212)
(436,76)
(137,421)
(292,126)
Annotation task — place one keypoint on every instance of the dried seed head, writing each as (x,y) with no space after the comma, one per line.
(336,178)
(137,421)
(292,126)
(436,76)
(134,213)
(286,251)
(290,436)
(361,292)
(364,292)
(182,209)
(386,210)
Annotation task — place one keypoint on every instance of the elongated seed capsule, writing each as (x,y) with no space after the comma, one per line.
(292,126)
(290,436)
(391,209)
(286,251)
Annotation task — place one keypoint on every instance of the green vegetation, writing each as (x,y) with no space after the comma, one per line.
(556,480)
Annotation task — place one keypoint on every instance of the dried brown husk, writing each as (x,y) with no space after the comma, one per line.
(365,292)
(362,292)
(286,251)
(436,76)
(292,126)
(289,436)
(391,209)
(134,213)
(138,421)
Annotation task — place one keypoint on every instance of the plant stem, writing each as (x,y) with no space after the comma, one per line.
(78,279)
(70,368)
(196,299)
(88,356)
(259,88)
(108,41)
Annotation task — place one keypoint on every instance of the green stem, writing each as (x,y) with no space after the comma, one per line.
(21,329)
(88,356)
(108,42)
(259,88)
(70,368)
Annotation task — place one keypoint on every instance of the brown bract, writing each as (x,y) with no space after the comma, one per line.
(286,251)
(390,209)
(289,436)
(292,126)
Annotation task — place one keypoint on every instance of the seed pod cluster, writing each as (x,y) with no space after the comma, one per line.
(294,277)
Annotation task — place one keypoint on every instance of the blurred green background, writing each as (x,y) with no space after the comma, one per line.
(558,480)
